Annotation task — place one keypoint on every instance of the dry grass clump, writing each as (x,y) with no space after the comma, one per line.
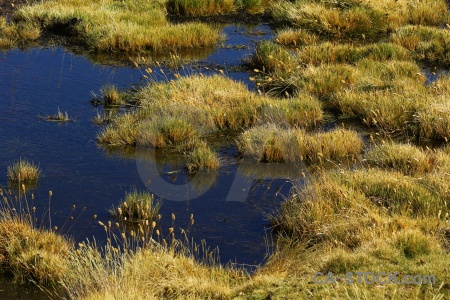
(428,44)
(296,37)
(200,7)
(271,143)
(428,12)
(23,171)
(327,212)
(110,94)
(122,131)
(335,224)
(223,102)
(414,243)
(352,21)
(26,252)
(271,57)
(406,158)
(386,110)
(12,34)
(400,194)
(172,113)
(174,274)
(137,206)
(434,120)
(58,117)
(202,157)
(32,254)
(364,20)
(165,132)
(327,52)
(323,81)
(111,26)
(301,111)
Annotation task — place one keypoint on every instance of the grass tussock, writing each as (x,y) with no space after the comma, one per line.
(110,94)
(406,158)
(271,143)
(202,158)
(14,34)
(27,252)
(200,7)
(364,20)
(296,37)
(128,26)
(58,117)
(398,193)
(23,171)
(32,254)
(428,44)
(137,207)
(179,113)
(300,111)
(337,219)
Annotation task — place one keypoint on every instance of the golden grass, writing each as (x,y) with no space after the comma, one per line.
(13,34)
(300,111)
(26,252)
(23,171)
(130,26)
(271,143)
(58,117)
(200,7)
(201,158)
(110,94)
(335,223)
(427,44)
(296,37)
(406,158)
(364,20)
(32,254)
(136,207)
(400,194)
(178,113)
(196,8)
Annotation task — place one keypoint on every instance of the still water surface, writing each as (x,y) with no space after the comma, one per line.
(38,81)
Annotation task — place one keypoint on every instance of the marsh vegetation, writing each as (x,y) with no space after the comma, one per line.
(341,91)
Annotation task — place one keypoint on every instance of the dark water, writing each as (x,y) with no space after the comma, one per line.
(38,81)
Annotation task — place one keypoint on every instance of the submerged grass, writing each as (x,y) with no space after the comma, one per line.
(26,252)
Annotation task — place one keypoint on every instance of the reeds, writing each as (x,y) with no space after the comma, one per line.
(23,171)
(137,207)
(58,117)
(110,94)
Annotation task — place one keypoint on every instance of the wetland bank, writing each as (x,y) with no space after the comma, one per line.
(340,90)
